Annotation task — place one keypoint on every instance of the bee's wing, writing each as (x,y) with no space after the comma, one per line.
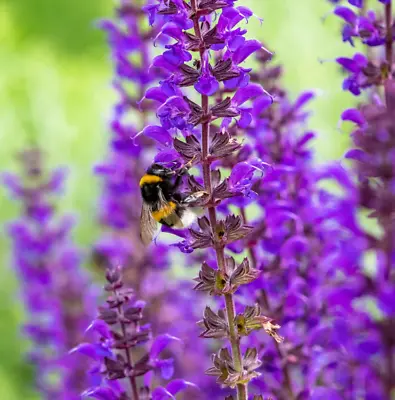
(148,225)
(173,219)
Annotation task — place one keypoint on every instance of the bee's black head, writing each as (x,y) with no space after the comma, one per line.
(160,170)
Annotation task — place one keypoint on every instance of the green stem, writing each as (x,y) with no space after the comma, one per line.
(242,392)
(266,304)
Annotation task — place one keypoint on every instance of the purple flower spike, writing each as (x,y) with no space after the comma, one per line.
(365,275)
(119,330)
(54,288)
(215,86)
(149,114)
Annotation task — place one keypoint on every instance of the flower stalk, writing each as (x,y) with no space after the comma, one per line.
(242,391)
(193,29)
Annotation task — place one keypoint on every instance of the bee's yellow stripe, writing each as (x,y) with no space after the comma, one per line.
(150,179)
(164,211)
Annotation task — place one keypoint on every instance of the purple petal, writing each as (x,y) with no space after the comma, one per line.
(160,393)
(95,351)
(348,64)
(151,10)
(387,300)
(360,59)
(168,156)
(157,133)
(100,327)
(13,183)
(166,367)
(322,393)
(160,343)
(173,30)
(261,104)
(347,14)
(245,119)
(100,393)
(356,3)
(207,85)
(240,172)
(245,11)
(178,385)
(353,115)
(356,154)
(248,48)
(368,348)
(155,93)
(303,99)
(244,94)
(236,42)
(163,62)
(305,139)
(294,247)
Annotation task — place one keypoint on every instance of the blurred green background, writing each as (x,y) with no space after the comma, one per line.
(55,91)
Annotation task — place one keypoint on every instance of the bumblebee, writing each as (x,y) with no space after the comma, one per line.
(162,201)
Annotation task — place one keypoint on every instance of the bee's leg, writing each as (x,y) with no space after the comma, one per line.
(178,181)
(179,197)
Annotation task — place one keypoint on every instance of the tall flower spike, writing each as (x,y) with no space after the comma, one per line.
(55,290)
(363,300)
(136,80)
(119,353)
(220,40)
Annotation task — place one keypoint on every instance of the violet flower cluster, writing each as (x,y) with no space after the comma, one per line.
(374,30)
(130,44)
(290,241)
(215,48)
(276,246)
(54,288)
(364,288)
(120,358)
(132,41)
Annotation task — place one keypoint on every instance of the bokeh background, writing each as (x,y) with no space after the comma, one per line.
(55,92)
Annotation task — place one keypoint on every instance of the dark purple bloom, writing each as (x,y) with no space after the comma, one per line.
(119,332)
(364,277)
(222,92)
(146,92)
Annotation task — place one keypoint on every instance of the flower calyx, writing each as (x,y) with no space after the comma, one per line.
(222,145)
(230,230)
(222,70)
(217,282)
(190,149)
(197,115)
(206,7)
(215,325)
(226,231)
(225,371)
(224,109)
(251,319)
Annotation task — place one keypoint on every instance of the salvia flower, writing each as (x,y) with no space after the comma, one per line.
(54,288)
(119,353)
(374,30)
(363,286)
(208,59)
(289,242)
(137,73)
